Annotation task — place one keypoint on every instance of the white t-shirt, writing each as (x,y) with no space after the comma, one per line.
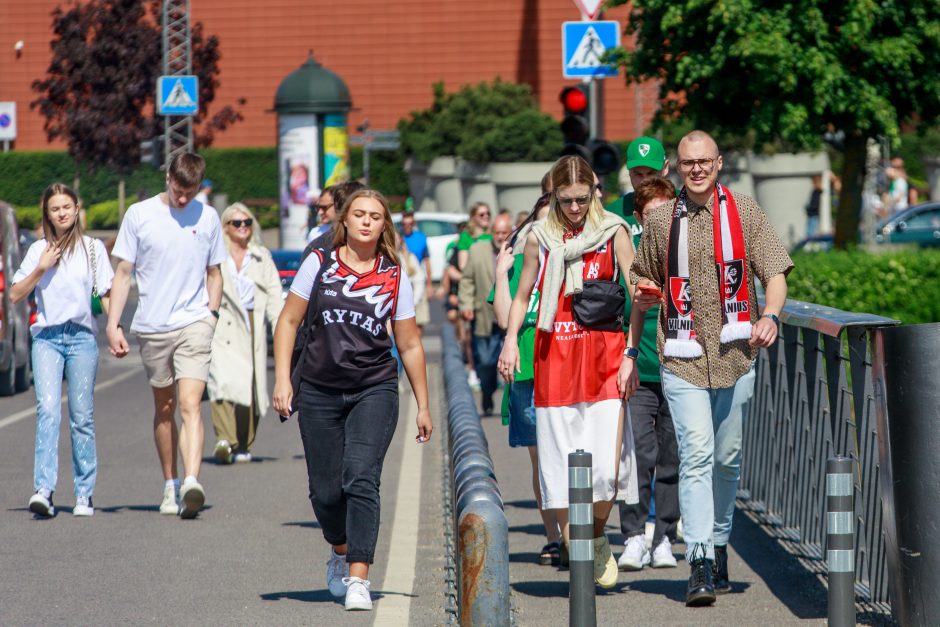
(303,284)
(63,294)
(170,249)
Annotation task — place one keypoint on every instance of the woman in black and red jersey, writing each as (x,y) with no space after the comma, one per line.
(348,397)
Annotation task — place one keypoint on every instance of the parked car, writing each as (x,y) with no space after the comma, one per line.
(441,230)
(919,225)
(287,263)
(15,373)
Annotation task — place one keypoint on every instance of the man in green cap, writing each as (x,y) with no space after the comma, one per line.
(651,421)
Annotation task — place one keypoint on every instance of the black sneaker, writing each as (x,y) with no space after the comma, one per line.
(720,571)
(701,591)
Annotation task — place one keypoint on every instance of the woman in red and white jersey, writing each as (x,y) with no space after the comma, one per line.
(579,383)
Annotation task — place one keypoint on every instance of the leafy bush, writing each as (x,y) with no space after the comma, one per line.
(904,285)
(386,170)
(103,215)
(488,122)
(28,217)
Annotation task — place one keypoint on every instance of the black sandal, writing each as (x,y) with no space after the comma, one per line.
(550,555)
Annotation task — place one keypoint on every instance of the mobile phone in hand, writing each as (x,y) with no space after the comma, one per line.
(650,290)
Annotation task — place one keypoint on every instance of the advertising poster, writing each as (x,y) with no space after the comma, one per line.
(298,157)
(335,149)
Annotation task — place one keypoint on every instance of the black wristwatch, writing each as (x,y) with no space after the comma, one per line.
(631,353)
(214,312)
(772,317)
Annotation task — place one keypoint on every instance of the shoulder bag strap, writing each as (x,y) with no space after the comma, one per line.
(94,268)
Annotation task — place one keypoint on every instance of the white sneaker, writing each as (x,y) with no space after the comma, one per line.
(83,506)
(605,566)
(169,506)
(41,503)
(473,380)
(662,555)
(242,458)
(336,571)
(357,594)
(635,554)
(223,452)
(192,497)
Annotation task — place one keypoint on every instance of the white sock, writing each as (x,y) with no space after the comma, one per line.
(171,483)
(189,479)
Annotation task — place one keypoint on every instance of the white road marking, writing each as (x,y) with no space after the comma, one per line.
(31,411)
(395,607)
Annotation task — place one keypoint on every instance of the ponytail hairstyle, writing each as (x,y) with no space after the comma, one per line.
(73,236)
(386,244)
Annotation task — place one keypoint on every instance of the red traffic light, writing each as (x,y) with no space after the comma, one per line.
(574,99)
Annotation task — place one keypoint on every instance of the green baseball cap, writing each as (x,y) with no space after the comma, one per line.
(646,151)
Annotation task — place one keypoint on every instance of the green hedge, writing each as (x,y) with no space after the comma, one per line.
(898,284)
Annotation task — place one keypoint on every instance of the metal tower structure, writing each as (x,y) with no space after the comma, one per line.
(177,61)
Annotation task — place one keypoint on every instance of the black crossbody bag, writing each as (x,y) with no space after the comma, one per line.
(303,336)
(600,304)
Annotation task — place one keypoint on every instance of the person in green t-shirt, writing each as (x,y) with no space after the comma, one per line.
(518,397)
(478,229)
(653,432)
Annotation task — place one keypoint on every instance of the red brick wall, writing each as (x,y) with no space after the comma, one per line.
(389,54)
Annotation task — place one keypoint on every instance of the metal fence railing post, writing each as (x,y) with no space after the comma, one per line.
(840,540)
(582,611)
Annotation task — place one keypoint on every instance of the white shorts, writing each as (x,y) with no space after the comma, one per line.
(592,427)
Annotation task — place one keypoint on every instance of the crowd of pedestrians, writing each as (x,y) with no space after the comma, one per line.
(611,328)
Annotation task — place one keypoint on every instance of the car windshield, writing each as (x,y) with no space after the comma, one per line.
(434,228)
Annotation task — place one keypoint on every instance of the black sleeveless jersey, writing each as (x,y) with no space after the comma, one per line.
(349,345)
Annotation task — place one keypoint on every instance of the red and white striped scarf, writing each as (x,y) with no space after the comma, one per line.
(734,284)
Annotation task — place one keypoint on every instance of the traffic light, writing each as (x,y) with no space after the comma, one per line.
(575,126)
(578,134)
(151,152)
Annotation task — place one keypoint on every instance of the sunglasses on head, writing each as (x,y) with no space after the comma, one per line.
(238,223)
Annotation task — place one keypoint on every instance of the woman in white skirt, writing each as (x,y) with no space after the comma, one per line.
(579,382)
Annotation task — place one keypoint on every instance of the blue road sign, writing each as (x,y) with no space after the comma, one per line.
(583,46)
(177,95)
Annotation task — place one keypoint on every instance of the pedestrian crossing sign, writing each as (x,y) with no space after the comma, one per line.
(178,95)
(584,44)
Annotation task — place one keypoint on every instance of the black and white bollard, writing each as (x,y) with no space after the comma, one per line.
(840,540)
(582,611)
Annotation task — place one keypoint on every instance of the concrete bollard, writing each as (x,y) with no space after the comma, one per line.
(840,540)
(582,611)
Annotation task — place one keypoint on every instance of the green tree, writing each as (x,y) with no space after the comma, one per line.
(790,71)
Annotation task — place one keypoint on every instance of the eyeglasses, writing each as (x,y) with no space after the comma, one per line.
(567,202)
(706,165)
(239,223)
(483,214)
(324,207)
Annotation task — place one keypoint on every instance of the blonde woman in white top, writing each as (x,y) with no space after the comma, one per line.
(251,294)
(64,268)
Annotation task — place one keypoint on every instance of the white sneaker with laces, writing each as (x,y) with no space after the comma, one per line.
(170,506)
(662,555)
(357,594)
(41,503)
(193,497)
(223,452)
(635,554)
(243,457)
(473,380)
(83,506)
(336,572)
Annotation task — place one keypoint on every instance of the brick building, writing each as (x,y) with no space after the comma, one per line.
(389,54)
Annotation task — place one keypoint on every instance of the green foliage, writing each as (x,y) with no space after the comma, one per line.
(28,217)
(386,171)
(242,173)
(489,122)
(103,215)
(269,217)
(904,285)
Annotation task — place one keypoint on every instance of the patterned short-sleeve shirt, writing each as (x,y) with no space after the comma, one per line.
(720,365)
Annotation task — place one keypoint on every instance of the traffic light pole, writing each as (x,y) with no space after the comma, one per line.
(177,61)
(596,110)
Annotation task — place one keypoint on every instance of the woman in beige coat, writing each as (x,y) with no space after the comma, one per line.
(251,293)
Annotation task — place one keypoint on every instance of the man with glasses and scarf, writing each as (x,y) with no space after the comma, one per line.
(704,252)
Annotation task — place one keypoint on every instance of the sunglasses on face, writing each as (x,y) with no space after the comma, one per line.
(239,223)
(324,207)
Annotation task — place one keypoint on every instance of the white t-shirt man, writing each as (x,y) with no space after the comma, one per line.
(170,249)
(63,294)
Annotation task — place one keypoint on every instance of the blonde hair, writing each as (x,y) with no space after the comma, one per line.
(475,230)
(71,238)
(386,244)
(240,208)
(571,170)
(408,260)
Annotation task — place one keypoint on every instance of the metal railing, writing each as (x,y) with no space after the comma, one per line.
(813,399)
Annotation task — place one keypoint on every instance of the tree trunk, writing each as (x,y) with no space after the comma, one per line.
(121,201)
(850,199)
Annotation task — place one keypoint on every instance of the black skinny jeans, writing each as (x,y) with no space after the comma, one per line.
(346,436)
(656,455)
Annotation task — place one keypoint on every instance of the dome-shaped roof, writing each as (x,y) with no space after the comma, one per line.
(312,89)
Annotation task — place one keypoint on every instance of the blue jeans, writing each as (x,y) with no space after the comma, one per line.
(345,436)
(708,425)
(812,225)
(72,349)
(522,413)
(486,349)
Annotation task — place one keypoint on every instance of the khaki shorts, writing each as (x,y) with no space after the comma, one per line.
(422,313)
(180,354)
